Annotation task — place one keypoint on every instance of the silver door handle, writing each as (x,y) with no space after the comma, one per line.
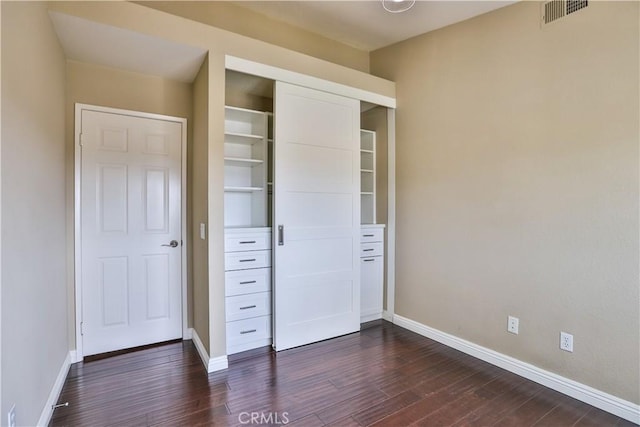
(281,235)
(172,244)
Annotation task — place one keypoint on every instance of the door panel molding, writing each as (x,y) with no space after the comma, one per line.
(155,146)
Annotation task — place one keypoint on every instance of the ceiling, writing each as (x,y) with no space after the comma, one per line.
(365,24)
(95,43)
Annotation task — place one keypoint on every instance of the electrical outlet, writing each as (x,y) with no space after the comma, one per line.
(566,342)
(11,417)
(513,324)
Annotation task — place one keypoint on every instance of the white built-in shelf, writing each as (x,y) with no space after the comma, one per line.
(367,177)
(242,138)
(243,189)
(239,161)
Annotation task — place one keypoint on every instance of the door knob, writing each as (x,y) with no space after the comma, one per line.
(173,244)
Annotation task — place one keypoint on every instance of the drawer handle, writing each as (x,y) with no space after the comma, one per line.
(369,259)
(248,282)
(247,260)
(367,250)
(247,242)
(248,307)
(250,331)
(367,235)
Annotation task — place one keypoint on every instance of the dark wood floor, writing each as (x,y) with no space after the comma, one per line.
(383,376)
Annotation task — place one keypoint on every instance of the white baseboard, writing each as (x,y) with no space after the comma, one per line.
(211,364)
(368,317)
(54,395)
(388,316)
(607,402)
(217,364)
(187,334)
(73,354)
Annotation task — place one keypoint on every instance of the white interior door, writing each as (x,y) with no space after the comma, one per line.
(130,214)
(317,204)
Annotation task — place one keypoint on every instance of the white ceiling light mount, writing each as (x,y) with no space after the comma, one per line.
(397,6)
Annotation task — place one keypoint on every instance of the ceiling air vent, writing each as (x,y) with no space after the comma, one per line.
(556,9)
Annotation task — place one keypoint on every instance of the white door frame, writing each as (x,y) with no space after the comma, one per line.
(79,354)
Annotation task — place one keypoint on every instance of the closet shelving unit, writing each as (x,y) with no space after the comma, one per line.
(247,231)
(367,176)
(245,162)
(372,234)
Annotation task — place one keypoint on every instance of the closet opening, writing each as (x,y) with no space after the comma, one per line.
(255,316)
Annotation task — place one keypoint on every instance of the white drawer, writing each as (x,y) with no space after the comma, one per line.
(247,281)
(371,235)
(234,242)
(244,260)
(248,306)
(371,249)
(371,287)
(241,333)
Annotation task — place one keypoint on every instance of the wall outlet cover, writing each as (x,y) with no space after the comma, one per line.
(513,325)
(566,342)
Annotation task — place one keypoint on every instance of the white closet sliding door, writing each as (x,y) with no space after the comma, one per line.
(316,216)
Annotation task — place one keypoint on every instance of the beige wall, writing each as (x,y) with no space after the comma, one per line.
(199,212)
(244,21)
(517,186)
(109,87)
(215,200)
(34,303)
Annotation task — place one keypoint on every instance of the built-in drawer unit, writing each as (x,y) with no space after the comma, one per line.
(245,260)
(247,281)
(246,306)
(371,271)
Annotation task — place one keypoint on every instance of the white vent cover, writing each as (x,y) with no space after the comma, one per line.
(556,9)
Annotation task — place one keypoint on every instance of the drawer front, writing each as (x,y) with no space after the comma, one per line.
(371,285)
(247,281)
(247,330)
(248,306)
(244,260)
(371,249)
(371,235)
(235,242)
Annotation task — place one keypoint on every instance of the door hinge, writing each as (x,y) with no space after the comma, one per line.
(81,328)
(80,138)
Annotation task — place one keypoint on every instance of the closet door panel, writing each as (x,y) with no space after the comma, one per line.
(318,210)
(318,169)
(317,202)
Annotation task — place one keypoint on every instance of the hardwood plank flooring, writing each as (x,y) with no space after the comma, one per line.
(382,376)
